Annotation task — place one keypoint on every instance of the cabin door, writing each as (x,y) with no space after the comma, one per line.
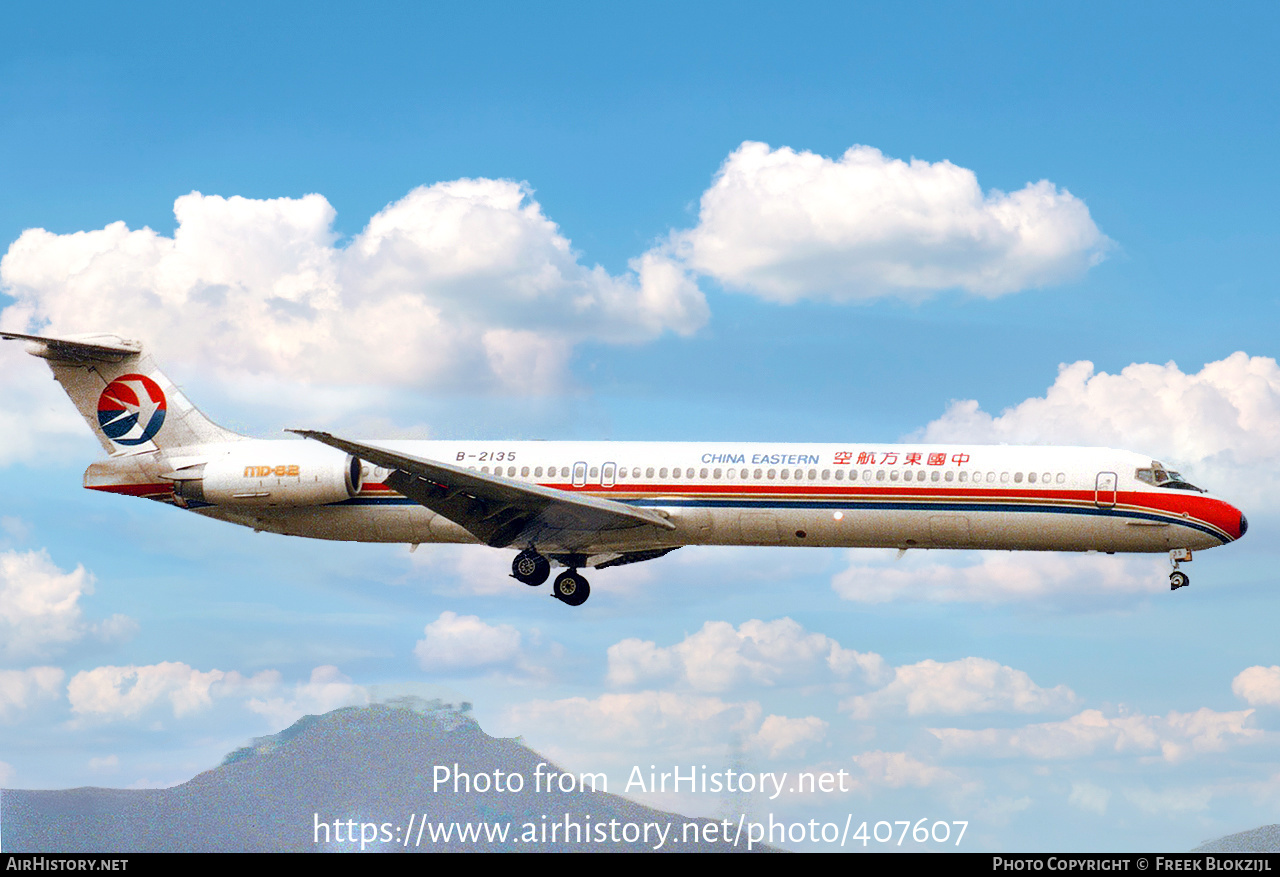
(1104,494)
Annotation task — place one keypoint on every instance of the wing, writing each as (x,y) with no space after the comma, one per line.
(498,511)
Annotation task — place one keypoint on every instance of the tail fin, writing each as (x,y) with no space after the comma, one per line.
(128,402)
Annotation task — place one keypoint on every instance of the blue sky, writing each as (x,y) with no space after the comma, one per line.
(1085,708)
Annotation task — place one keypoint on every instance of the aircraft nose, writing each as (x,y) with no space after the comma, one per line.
(1244,525)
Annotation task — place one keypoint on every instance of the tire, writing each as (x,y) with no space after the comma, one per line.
(571,588)
(530,568)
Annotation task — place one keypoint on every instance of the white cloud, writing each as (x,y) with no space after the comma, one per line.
(897,770)
(40,606)
(979,577)
(19,689)
(1090,797)
(1173,737)
(640,721)
(1218,425)
(327,689)
(462,283)
(464,642)
(970,685)
(1258,686)
(779,734)
(789,225)
(719,657)
(116,693)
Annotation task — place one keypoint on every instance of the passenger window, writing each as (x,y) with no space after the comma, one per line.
(879,475)
(813,475)
(1017,477)
(893,475)
(484,469)
(716,474)
(1047,477)
(839,475)
(648,473)
(786,473)
(1004,477)
(991,477)
(662,473)
(688,473)
(537,473)
(757,475)
(702,474)
(772,473)
(1031,478)
(524,472)
(1061,478)
(935,475)
(964,476)
(579,474)
(607,479)
(950,476)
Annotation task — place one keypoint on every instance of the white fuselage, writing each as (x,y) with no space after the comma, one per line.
(729,493)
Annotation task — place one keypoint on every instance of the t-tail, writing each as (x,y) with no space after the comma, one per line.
(127,401)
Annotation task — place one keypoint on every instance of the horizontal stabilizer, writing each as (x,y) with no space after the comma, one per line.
(78,348)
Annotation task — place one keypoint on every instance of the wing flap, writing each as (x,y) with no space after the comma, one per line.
(496,510)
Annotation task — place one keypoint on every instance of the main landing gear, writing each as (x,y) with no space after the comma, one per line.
(532,569)
(1177,578)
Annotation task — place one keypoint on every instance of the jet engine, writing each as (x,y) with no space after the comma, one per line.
(270,474)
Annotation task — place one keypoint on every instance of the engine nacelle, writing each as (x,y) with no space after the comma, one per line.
(280,474)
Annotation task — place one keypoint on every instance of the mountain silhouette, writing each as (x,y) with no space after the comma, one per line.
(357,778)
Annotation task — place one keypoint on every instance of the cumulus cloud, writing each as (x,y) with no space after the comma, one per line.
(658,724)
(1173,737)
(974,577)
(788,225)
(326,690)
(1258,686)
(720,657)
(897,770)
(20,689)
(464,642)
(462,283)
(40,606)
(779,734)
(1218,425)
(118,693)
(970,685)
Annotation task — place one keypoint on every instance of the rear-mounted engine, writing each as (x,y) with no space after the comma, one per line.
(281,474)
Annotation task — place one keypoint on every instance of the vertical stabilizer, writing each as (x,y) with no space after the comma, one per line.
(127,401)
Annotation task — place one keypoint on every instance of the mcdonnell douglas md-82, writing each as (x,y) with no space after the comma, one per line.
(603,504)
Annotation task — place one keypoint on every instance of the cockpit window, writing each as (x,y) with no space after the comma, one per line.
(1159,476)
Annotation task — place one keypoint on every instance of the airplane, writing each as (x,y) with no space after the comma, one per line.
(604,504)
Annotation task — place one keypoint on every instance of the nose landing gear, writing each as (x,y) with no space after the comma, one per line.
(1177,578)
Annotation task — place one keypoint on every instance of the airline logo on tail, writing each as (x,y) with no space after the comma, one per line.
(131,409)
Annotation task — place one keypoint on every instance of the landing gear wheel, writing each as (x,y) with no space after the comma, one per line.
(1178,579)
(530,568)
(571,588)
